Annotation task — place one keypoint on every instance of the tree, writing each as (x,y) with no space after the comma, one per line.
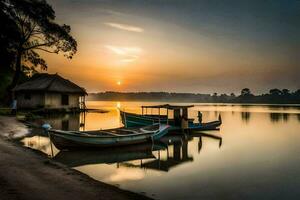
(246,92)
(285,92)
(9,34)
(275,92)
(34,20)
(223,97)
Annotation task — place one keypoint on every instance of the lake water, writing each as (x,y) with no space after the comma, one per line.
(254,155)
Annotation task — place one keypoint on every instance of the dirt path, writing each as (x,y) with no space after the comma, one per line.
(25,174)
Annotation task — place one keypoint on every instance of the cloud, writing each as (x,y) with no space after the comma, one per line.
(129,59)
(128,54)
(124,50)
(125,27)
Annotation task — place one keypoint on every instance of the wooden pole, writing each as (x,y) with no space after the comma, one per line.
(46,128)
(84,120)
(167,152)
(167,116)
(125,121)
(50,144)
(83,102)
(159,115)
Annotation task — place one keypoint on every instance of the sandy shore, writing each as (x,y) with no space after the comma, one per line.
(25,174)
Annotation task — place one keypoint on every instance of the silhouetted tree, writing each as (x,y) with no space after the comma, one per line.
(34,20)
(222,98)
(245,92)
(285,92)
(9,34)
(275,92)
(190,97)
(297,93)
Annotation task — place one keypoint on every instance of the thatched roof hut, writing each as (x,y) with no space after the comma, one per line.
(49,91)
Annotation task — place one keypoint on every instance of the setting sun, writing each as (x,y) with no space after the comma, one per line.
(119,83)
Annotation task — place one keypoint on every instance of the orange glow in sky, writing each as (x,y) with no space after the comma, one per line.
(181,48)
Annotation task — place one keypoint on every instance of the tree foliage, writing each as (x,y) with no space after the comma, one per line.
(245,92)
(268,98)
(275,92)
(32,22)
(9,35)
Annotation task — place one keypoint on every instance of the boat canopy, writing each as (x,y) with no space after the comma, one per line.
(170,107)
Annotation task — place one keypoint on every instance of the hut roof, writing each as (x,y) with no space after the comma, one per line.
(51,83)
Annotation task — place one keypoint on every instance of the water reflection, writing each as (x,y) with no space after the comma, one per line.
(198,160)
(38,140)
(245,116)
(108,155)
(200,135)
(277,117)
(62,121)
(163,155)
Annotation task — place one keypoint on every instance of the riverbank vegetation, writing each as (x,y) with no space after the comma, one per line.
(275,96)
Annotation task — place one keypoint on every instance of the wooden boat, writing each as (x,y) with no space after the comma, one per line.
(106,138)
(138,120)
(205,126)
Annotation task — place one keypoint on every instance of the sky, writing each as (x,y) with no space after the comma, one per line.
(181,45)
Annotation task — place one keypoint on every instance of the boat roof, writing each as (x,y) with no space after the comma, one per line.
(170,107)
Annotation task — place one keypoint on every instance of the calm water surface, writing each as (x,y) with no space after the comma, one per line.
(255,154)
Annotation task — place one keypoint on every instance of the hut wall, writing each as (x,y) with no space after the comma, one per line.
(53,100)
(30,100)
(74,100)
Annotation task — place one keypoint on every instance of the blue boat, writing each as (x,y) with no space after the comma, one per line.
(179,121)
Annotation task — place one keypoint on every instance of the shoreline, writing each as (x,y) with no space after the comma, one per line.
(200,103)
(29,174)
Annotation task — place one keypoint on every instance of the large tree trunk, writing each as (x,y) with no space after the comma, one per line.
(16,77)
(18,70)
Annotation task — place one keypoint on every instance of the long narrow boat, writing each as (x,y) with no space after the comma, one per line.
(213,125)
(179,112)
(106,138)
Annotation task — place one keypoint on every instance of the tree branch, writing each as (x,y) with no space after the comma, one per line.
(30,32)
(37,37)
(45,50)
(38,45)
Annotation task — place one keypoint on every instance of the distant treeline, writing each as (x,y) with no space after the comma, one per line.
(275,96)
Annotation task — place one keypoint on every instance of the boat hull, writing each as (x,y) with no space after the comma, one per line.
(66,140)
(135,120)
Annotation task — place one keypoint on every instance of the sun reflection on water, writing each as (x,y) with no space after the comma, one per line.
(252,143)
